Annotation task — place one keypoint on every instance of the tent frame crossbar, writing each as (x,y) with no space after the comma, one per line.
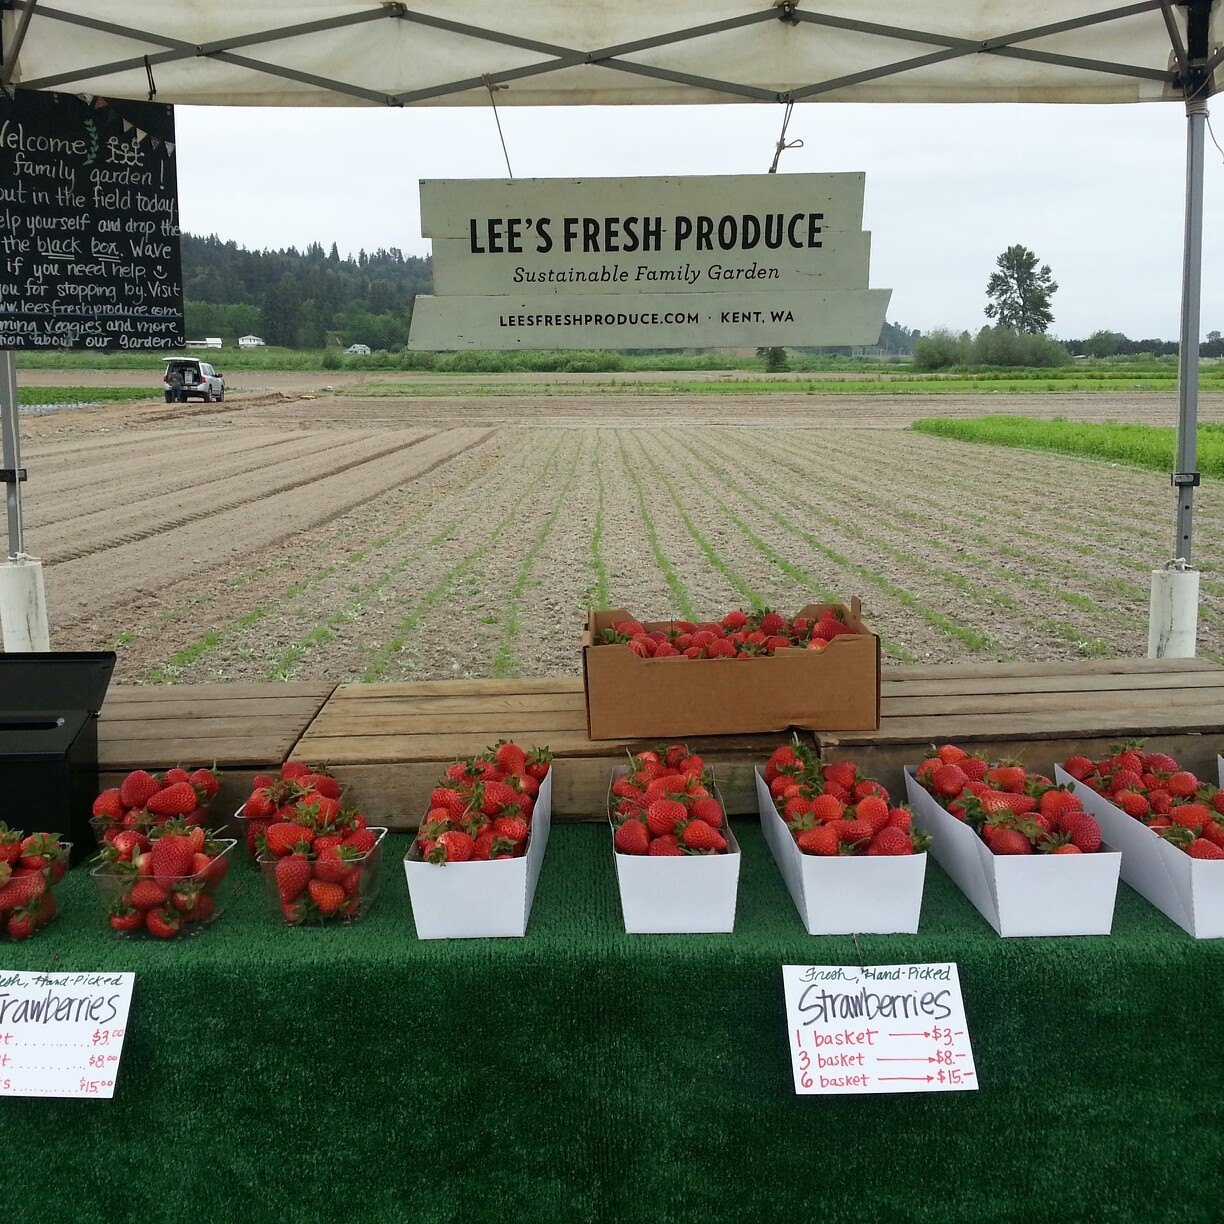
(613,58)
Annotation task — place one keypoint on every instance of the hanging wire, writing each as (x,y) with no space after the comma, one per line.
(488,80)
(1214,141)
(783,144)
(152,82)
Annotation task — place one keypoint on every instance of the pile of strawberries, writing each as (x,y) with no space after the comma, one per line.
(1153,788)
(665,804)
(320,860)
(834,809)
(284,797)
(482,807)
(146,801)
(739,635)
(163,881)
(29,867)
(1013,810)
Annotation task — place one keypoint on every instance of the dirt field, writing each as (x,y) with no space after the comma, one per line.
(289,535)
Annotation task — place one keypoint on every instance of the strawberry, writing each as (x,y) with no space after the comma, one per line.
(125,918)
(1083,829)
(820,840)
(1003,840)
(128,843)
(511,828)
(488,847)
(948,780)
(1008,778)
(900,818)
(1079,767)
(709,810)
(198,907)
(10,844)
(852,832)
(1133,804)
(1159,763)
(294,770)
(873,810)
(21,890)
(632,838)
(331,867)
(891,841)
(950,754)
(362,840)
(22,923)
(178,799)
(842,773)
(1182,785)
(665,846)
(162,923)
(1189,815)
(663,814)
(1201,848)
(1214,832)
(827,807)
(109,805)
(323,783)
(292,876)
(146,894)
(509,757)
(698,835)
(171,857)
(452,847)
(206,782)
(259,806)
(330,897)
(138,788)
(285,838)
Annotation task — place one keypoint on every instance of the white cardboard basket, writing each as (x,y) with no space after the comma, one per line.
(481,900)
(1021,894)
(1188,890)
(845,894)
(665,895)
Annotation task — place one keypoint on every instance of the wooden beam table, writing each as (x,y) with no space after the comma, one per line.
(391,742)
(241,728)
(1041,713)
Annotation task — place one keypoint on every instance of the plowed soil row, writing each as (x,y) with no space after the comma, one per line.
(337,538)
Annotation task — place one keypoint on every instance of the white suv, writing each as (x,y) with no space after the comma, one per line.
(199,379)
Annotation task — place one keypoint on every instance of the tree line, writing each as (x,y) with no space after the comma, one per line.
(300,299)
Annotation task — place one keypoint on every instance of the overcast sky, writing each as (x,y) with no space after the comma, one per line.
(1096,191)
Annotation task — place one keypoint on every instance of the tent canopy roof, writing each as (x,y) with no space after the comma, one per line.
(614,52)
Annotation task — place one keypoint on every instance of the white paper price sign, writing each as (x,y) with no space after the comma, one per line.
(883,1028)
(61,1034)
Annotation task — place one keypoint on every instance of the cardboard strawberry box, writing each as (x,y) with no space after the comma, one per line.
(1188,890)
(480,900)
(844,894)
(629,697)
(666,895)
(1021,894)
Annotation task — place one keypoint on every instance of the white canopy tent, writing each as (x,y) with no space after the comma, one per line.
(625,52)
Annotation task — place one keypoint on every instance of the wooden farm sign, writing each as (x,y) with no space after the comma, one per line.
(647,263)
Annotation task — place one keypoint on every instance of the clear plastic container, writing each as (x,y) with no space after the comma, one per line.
(180,908)
(320,905)
(24,921)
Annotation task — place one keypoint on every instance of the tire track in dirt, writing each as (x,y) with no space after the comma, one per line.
(188,637)
(334,627)
(1105,623)
(138,570)
(197,510)
(207,468)
(395,659)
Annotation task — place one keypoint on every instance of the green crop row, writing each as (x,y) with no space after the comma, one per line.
(1149,446)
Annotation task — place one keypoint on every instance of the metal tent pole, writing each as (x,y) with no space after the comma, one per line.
(23,603)
(1173,620)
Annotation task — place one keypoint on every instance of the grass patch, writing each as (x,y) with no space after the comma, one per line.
(33,397)
(1146,446)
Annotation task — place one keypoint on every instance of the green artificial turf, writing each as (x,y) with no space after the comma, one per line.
(583,1074)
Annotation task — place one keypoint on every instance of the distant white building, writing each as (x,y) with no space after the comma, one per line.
(358,350)
(207,342)
(251,341)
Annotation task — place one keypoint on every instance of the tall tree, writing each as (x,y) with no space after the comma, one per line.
(1019,292)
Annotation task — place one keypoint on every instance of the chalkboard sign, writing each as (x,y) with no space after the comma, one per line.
(89,228)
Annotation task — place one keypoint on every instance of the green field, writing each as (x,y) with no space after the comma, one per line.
(30,397)
(1148,446)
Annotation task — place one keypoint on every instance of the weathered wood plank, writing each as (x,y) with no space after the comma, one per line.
(488,723)
(124,693)
(1053,667)
(505,705)
(1003,687)
(1124,705)
(460,688)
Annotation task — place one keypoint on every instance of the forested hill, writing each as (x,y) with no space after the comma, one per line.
(296,298)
